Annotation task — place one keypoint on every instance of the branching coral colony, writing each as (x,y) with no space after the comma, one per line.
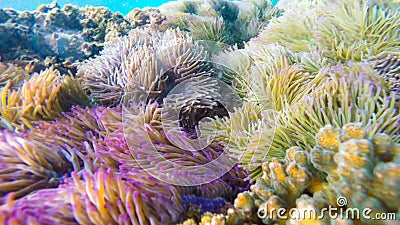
(319,81)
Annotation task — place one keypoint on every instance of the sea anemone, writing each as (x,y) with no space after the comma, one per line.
(293,29)
(342,31)
(101,198)
(43,97)
(144,64)
(232,23)
(170,155)
(369,30)
(235,65)
(257,131)
(348,95)
(388,67)
(14,74)
(208,28)
(346,163)
(78,125)
(46,206)
(78,133)
(28,165)
(108,198)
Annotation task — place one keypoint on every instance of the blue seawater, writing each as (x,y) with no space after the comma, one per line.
(122,6)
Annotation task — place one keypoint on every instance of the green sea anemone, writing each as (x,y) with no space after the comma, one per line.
(346,96)
(342,31)
(356,30)
(208,28)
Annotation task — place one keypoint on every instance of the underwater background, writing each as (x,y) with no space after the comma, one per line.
(209,112)
(123,7)
(114,5)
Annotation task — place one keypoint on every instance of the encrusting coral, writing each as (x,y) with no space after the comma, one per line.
(346,163)
(145,17)
(58,36)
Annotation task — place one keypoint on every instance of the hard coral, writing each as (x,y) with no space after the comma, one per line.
(346,163)
(145,17)
(56,36)
(362,168)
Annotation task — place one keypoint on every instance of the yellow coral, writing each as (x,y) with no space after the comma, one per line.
(362,169)
(328,138)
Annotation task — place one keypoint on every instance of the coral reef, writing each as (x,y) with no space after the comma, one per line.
(346,163)
(55,36)
(200,112)
(145,17)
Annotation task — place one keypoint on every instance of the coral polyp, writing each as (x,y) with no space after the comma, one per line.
(346,163)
